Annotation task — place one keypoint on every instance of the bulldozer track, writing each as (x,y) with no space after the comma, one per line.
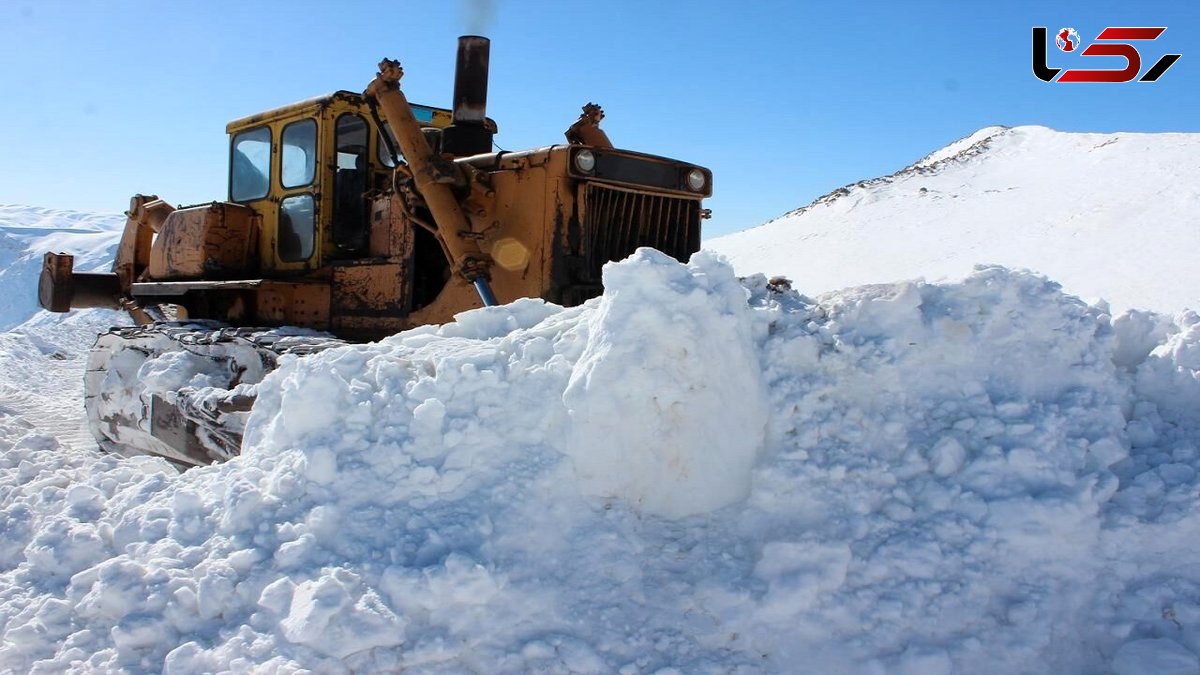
(129,412)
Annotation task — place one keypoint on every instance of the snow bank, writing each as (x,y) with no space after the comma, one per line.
(911,478)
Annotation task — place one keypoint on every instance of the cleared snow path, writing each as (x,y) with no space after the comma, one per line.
(41,373)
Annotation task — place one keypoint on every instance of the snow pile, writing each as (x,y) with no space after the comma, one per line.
(649,398)
(917,479)
(27,233)
(1111,216)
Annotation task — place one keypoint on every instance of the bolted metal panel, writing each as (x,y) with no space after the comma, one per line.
(210,241)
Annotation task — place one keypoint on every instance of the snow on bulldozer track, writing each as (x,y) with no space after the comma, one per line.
(693,473)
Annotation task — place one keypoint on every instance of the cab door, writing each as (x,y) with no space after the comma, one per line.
(273,169)
(297,244)
(350,181)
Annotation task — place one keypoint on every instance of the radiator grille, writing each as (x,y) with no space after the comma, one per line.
(617,222)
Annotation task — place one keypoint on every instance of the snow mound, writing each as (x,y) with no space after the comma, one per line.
(1111,216)
(649,399)
(918,478)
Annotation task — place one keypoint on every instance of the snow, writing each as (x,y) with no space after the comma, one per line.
(1112,216)
(41,372)
(973,142)
(649,409)
(26,233)
(1155,656)
(692,473)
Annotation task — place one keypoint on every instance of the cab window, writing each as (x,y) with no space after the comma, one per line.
(250,165)
(297,227)
(385,155)
(350,184)
(433,136)
(299,163)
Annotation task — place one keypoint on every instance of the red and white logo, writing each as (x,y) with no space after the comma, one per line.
(1112,41)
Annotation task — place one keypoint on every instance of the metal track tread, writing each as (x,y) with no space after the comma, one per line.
(183,390)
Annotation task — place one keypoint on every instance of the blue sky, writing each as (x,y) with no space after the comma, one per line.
(784,101)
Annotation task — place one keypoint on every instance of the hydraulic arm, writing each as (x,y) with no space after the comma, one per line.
(433,176)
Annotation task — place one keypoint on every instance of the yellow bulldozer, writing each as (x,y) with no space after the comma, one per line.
(352,217)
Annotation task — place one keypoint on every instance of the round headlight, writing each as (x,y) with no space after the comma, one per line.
(696,180)
(585,161)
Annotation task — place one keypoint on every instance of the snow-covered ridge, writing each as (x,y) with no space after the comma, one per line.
(960,150)
(1111,216)
(690,472)
(29,232)
(45,220)
(964,147)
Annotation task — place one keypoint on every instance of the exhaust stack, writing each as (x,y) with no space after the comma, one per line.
(468,134)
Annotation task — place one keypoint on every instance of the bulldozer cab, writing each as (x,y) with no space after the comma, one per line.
(306,169)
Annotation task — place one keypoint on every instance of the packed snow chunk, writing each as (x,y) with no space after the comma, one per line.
(798,574)
(62,548)
(667,404)
(947,456)
(1138,334)
(924,660)
(334,615)
(562,654)
(1170,375)
(1159,656)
